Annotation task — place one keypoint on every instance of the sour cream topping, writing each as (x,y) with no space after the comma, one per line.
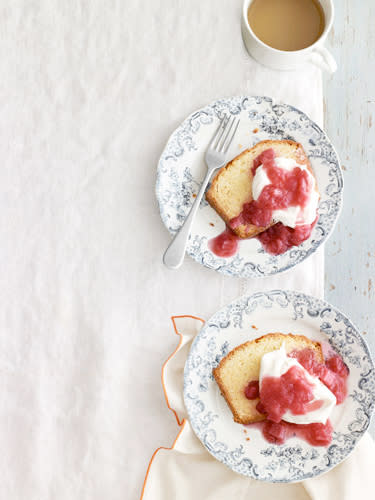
(275,364)
(291,216)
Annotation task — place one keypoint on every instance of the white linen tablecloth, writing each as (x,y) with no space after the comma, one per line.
(89,93)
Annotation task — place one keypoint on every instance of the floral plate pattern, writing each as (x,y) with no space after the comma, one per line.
(250,317)
(181,168)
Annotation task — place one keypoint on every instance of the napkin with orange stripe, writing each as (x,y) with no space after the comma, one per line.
(187,471)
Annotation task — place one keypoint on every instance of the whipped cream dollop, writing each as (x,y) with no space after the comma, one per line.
(291,216)
(275,364)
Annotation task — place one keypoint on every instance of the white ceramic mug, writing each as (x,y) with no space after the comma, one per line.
(288,60)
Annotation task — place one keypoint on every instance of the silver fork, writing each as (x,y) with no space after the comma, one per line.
(215,158)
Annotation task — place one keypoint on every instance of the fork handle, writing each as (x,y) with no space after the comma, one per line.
(175,253)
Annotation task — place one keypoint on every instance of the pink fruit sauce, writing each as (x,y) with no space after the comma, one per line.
(252,389)
(315,434)
(279,238)
(293,392)
(333,373)
(225,244)
(287,189)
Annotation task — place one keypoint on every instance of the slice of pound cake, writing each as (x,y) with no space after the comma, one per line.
(232,185)
(242,365)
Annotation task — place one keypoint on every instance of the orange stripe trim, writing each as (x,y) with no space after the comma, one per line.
(173,318)
(180,423)
(155,453)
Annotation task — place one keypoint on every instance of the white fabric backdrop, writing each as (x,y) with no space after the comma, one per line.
(89,93)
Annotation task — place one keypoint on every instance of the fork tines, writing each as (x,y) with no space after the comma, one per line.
(224,134)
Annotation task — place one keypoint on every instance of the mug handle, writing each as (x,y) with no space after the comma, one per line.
(322,58)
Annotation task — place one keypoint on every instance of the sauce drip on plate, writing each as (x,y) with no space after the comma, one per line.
(225,244)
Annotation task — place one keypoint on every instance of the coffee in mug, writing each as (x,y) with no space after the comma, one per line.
(287,25)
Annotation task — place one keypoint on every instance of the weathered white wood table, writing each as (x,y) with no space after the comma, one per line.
(350,123)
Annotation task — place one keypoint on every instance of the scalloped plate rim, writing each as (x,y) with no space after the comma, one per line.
(242,97)
(362,342)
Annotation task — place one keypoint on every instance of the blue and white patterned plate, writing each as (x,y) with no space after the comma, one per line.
(181,169)
(211,419)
